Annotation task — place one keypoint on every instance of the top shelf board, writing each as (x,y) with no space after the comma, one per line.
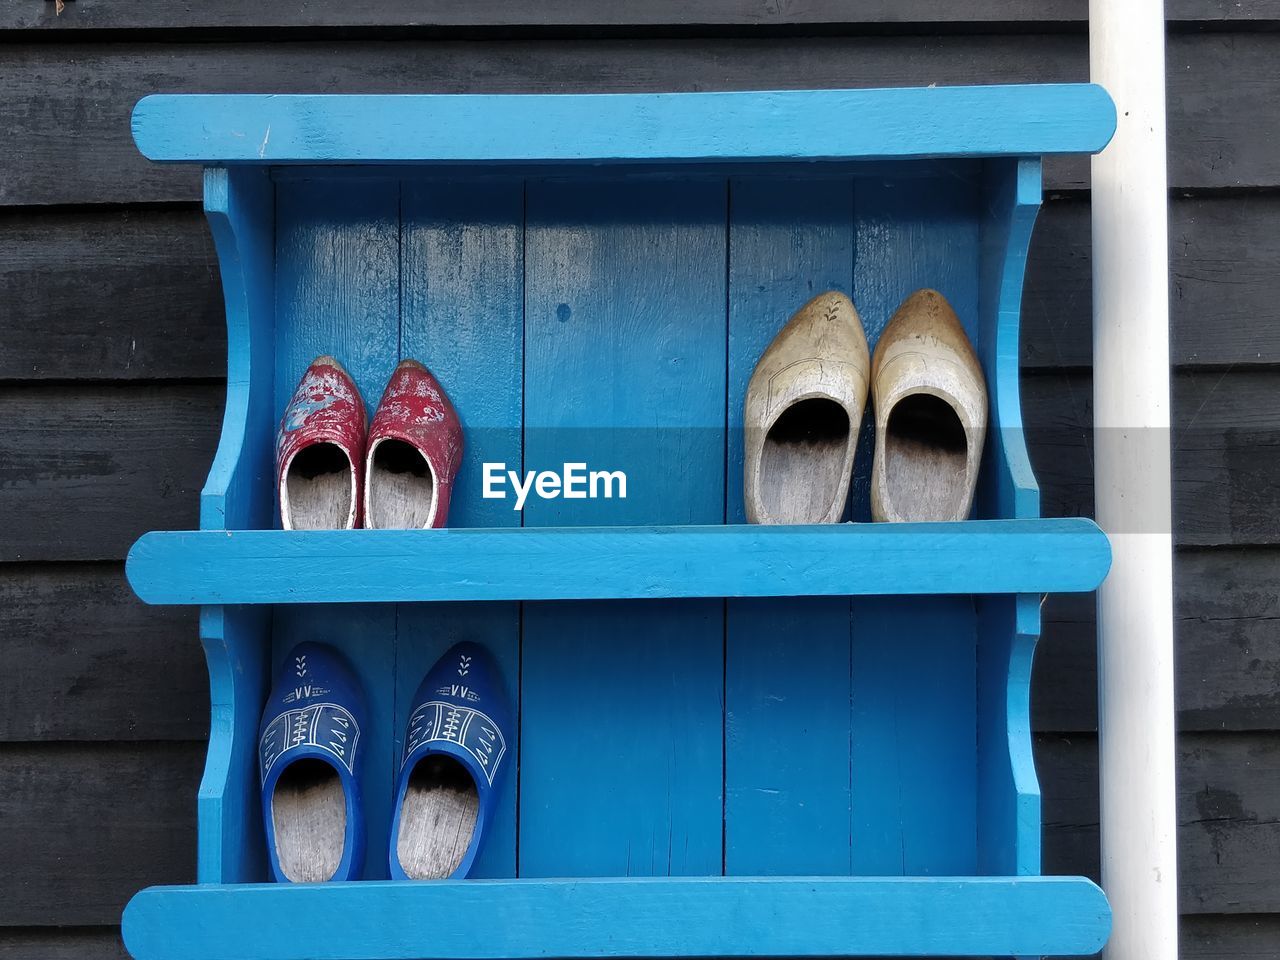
(768,126)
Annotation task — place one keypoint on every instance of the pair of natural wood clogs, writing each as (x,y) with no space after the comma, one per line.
(806,399)
(334,474)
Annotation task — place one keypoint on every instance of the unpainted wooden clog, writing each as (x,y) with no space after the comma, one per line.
(454,756)
(415,447)
(309,756)
(931,414)
(319,449)
(802,412)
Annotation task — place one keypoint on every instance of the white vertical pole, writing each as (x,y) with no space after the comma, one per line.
(1132,483)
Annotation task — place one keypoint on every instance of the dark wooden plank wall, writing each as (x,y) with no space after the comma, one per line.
(111,367)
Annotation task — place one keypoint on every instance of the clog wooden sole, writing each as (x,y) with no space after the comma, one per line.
(455,750)
(319,489)
(801,415)
(400,485)
(414,448)
(309,813)
(931,414)
(438,818)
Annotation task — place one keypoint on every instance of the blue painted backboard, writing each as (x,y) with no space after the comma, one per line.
(612,316)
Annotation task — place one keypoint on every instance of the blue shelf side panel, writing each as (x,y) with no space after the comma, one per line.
(758,741)
(240,207)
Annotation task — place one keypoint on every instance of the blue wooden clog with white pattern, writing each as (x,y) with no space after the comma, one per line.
(454,753)
(309,752)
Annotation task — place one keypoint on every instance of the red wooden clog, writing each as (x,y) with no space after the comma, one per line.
(415,447)
(319,449)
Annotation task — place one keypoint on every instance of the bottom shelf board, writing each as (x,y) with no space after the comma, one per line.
(622,917)
(596,563)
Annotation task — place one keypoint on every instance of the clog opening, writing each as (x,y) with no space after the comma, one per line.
(401,487)
(309,814)
(926,459)
(319,489)
(802,465)
(438,818)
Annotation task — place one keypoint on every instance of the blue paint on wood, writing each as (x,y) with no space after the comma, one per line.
(583,563)
(624,370)
(912,736)
(1008,790)
(639,917)
(787,731)
(914,690)
(787,681)
(462,306)
(337,292)
(1025,120)
(240,207)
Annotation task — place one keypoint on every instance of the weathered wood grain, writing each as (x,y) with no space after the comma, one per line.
(1222,252)
(1227,655)
(1228,817)
(90,825)
(86,469)
(134,293)
(109,294)
(1229,937)
(80,873)
(86,660)
(614,15)
(62,943)
(1219,140)
(1226,452)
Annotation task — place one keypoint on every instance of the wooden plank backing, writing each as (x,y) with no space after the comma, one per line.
(1216,142)
(110,294)
(1222,250)
(1227,636)
(86,660)
(1226,452)
(1228,817)
(624,370)
(787,787)
(919,691)
(462,314)
(91,825)
(353,314)
(85,469)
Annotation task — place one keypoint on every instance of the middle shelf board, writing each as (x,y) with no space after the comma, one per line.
(595,563)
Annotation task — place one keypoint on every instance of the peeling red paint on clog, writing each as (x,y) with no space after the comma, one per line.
(416,410)
(325,408)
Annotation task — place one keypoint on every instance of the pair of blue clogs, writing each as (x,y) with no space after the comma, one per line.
(309,759)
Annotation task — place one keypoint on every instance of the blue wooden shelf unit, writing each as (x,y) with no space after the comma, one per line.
(733,740)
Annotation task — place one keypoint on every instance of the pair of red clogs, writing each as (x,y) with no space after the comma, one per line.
(335,472)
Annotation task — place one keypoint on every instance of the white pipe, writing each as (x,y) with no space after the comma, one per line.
(1132,484)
